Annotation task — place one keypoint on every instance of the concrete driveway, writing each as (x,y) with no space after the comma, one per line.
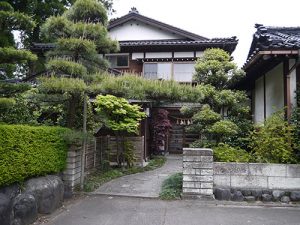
(105,210)
(147,184)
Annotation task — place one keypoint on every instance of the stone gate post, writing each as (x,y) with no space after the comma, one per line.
(198,173)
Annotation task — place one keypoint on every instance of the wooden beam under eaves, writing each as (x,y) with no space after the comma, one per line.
(270,52)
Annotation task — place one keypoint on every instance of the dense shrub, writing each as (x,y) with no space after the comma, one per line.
(27,151)
(273,142)
(171,187)
(295,121)
(225,153)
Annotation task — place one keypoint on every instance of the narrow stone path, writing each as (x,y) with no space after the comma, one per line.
(147,184)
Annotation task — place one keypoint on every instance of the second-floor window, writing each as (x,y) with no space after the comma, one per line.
(181,72)
(118,60)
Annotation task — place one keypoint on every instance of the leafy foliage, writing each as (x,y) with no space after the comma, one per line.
(215,68)
(272,142)
(118,114)
(14,105)
(203,119)
(87,11)
(67,67)
(172,187)
(30,151)
(160,129)
(10,56)
(79,34)
(41,10)
(224,112)
(223,129)
(226,153)
(122,118)
(62,85)
(18,110)
(295,121)
(11,89)
(135,87)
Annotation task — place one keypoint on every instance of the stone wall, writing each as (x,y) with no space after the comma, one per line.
(197,173)
(238,181)
(257,176)
(21,204)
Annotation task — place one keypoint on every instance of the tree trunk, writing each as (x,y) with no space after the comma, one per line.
(72,111)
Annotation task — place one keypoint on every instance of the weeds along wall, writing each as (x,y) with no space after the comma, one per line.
(27,151)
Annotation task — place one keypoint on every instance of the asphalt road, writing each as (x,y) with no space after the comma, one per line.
(104,210)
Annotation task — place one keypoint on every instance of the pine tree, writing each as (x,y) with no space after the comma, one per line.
(10,56)
(80,34)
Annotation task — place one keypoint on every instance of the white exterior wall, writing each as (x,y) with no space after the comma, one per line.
(134,30)
(259,101)
(199,54)
(274,90)
(156,55)
(137,55)
(293,84)
(183,54)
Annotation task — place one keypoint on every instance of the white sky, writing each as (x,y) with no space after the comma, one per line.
(218,18)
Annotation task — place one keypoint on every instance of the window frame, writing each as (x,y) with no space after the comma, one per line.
(116,55)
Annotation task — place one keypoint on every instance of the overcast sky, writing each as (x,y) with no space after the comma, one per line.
(218,18)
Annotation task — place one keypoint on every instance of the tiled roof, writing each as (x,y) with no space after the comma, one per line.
(231,40)
(273,38)
(226,43)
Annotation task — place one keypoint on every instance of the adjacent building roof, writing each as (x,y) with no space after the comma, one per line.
(269,47)
(273,39)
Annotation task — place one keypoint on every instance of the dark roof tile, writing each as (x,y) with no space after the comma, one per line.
(273,38)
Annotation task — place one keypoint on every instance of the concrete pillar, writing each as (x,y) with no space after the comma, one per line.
(198,173)
(72,173)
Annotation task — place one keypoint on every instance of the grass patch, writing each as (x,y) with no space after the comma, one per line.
(95,180)
(172,187)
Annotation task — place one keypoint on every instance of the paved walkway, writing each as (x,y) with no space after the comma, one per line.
(147,184)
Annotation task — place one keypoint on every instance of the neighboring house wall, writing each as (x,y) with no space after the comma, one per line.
(274,90)
(135,30)
(269,92)
(259,100)
(293,83)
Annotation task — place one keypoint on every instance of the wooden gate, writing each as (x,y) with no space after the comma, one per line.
(180,139)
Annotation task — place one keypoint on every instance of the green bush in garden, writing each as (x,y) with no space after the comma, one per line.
(171,187)
(273,142)
(27,151)
(225,153)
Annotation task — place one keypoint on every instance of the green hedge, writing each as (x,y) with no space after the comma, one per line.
(27,151)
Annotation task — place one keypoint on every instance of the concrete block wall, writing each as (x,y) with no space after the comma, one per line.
(72,173)
(197,173)
(257,176)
